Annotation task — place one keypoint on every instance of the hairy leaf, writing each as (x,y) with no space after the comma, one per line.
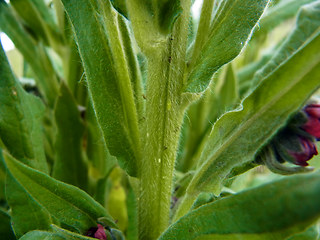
(238,135)
(108,77)
(38,17)
(34,54)
(67,234)
(272,211)
(307,25)
(41,235)
(69,165)
(23,208)
(69,205)
(20,119)
(233,24)
(276,15)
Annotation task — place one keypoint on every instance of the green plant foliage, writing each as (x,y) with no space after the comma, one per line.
(67,234)
(20,201)
(168,11)
(5,226)
(35,54)
(277,14)
(38,18)
(233,23)
(311,233)
(113,98)
(145,120)
(251,214)
(66,203)
(20,117)
(41,235)
(307,26)
(291,87)
(68,144)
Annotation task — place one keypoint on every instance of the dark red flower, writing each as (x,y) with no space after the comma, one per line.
(308,150)
(312,126)
(97,232)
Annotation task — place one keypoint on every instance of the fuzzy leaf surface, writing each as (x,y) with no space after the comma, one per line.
(233,24)
(23,208)
(281,12)
(41,235)
(67,234)
(35,54)
(69,165)
(37,16)
(272,211)
(107,76)
(71,206)
(20,119)
(307,26)
(238,135)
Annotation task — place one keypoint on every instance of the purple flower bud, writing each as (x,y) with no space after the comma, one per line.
(308,150)
(97,232)
(312,126)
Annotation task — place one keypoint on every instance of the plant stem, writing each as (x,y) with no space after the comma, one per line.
(164,115)
(163,121)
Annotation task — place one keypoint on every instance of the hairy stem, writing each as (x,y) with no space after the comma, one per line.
(164,115)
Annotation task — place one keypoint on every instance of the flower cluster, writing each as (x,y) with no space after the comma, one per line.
(296,142)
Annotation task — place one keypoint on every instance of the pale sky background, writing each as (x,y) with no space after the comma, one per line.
(8,45)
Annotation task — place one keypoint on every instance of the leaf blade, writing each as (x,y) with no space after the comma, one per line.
(234,139)
(68,204)
(110,88)
(251,214)
(69,165)
(20,110)
(232,26)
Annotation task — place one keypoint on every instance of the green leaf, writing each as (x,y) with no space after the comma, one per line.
(120,6)
(307,26)
(168,11)
(23,208)
(98,154)
(67,234)
(20,119)
(276,15)
(41,235)
(311,233)
(5,226)
(273,211)
(38,17)
(226,91)
(69,165)
(233,24)
(132,206)
(238,135)
(34,54)
(108,77)
(69,205)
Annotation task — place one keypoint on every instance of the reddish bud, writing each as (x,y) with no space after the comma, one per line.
(312,126)
(308,150)
(97,232)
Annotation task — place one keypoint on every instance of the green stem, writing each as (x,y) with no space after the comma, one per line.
(164,115)
(163,121)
